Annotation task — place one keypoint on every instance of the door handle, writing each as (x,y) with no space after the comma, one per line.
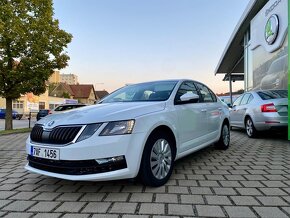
(203,110)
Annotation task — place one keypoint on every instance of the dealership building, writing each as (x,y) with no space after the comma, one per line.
(257,52)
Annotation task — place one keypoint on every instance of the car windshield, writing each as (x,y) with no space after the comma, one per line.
(151,91)
(272,94)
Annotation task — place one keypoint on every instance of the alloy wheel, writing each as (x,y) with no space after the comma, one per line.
(249,127)
(160,159)
(226,135)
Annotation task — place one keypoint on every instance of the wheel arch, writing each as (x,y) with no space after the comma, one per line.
(165,129)
(155,130)
(245,119)
(168,134)
(227,121)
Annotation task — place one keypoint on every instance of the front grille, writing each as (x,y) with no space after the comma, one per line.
(63,135)
(58,135)
(36,133)
(76,167)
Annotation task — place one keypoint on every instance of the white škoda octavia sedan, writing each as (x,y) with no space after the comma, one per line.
(139,129)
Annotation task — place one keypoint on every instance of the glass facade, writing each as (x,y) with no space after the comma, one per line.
(264,70)
(270,69)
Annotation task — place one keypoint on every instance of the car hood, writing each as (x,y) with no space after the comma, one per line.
(104,112)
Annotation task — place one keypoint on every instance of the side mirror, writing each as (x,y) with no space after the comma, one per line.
(190,97)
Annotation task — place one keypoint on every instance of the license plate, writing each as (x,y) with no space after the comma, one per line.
(47,153)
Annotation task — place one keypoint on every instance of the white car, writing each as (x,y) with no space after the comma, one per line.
(138,130)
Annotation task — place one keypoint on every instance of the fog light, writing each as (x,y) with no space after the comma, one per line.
(110,159)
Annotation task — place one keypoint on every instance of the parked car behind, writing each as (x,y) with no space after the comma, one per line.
(140,129)
(65,107)
(227,99)
(260,110)
(42,113)
(15,114)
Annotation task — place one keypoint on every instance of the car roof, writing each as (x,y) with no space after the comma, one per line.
(265,90)
(169,80)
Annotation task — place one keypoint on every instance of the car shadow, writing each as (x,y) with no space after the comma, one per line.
(271,134)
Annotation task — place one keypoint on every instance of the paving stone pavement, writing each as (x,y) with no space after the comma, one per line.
(250,179)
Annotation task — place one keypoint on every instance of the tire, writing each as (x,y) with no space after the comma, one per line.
(224,140)
(250,128)
(157,160)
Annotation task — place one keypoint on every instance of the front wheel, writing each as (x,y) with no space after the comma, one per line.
(157,160)
(224,140)
(250,128)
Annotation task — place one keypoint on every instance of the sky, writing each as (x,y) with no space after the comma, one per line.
(118,42)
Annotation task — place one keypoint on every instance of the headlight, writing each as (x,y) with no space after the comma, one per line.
(89,131)
(118,128)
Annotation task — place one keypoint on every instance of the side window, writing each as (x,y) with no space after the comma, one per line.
(205,93)
(185,87)
(238,101)
(250,98)
(213,96)
(245,98)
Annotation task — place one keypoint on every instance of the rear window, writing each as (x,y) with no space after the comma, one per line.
(266,95)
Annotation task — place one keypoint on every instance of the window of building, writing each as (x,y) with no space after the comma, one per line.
(41,105)
(17,104)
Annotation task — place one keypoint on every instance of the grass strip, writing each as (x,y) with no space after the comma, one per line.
(13,131)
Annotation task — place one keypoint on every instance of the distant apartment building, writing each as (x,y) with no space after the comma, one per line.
(70,79)
(55,77)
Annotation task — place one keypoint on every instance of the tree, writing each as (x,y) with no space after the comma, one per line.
(31,47)
(65,95)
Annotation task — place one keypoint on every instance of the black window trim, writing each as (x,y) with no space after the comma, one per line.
(186,102)
(213,96)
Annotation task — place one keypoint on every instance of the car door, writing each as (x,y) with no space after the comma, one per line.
(212,109)
(234,111)
(192,122)
(2,114)
(240,110)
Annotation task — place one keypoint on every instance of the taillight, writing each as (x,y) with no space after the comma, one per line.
(268,108)
(49,111)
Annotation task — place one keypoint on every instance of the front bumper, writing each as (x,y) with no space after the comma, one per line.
(77,161)
(76,167)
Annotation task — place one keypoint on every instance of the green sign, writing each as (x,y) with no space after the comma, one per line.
(271,29)
(288,74)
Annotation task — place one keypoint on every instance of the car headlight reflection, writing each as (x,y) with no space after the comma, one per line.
(118,128)
(89,131)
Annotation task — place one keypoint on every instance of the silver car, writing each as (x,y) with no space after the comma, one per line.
(260,110)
